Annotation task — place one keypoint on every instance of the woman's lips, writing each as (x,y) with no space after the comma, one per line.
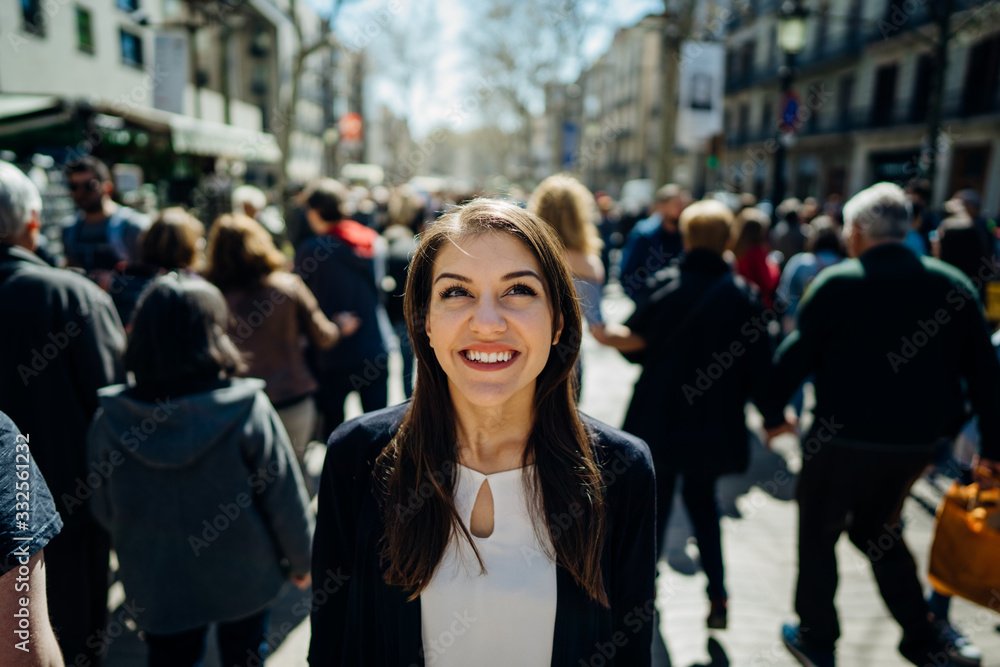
(483,360)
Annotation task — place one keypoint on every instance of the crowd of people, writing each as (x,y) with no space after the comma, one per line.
(170,385)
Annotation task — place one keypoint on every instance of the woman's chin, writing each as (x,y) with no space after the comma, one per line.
(490,394)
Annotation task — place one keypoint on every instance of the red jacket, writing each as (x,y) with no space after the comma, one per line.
(761,271)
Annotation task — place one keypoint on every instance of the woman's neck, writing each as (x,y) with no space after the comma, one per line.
(492,439)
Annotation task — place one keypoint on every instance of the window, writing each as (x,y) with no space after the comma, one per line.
(920,103)
(748,53)
(982,76)
(34,17)
(822,27)
(743,123)
(131,49)
(845,91)
(885,95)
(127,5)
(767,120)
(84,30)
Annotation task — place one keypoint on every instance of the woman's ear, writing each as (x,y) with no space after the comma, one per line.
(559,328)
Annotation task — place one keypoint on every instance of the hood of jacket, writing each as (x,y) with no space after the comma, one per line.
(175,432)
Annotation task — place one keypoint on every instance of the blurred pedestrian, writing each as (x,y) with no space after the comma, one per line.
(967,202)
(174,242)
(104,233)
(750,247)
(653,242)
(252,202)
(896,342)
(788,236)
(567,206)
(29,521)
(271,310)
(689,402)
(824,248)
(963,246)
(406,217)
(487,520)
(344,266)
(925,221)
(611,236)
(67,343)
(207,511)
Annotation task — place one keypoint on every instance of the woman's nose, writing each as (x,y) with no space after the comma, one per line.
(488,316)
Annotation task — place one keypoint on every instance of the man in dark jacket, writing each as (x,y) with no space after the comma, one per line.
(63,341)
(890,339)
(343,266)
(702,338)
(653,242)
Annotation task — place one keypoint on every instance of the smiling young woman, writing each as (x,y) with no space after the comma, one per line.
(484,521)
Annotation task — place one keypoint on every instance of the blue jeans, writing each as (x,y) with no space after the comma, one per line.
(239,641)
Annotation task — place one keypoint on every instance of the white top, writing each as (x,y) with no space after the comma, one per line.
(507,616)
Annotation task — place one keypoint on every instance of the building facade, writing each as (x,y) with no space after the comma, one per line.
(864,81)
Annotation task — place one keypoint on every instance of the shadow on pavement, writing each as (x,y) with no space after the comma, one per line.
(767,470)
(128,649)
(716,655)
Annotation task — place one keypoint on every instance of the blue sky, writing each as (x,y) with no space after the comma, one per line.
(445,76)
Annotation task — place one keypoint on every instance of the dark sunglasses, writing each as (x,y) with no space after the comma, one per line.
(89,186)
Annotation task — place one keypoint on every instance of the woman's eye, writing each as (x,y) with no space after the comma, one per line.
(522,289)
(453,292)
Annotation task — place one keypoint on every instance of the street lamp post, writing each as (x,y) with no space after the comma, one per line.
(791,40)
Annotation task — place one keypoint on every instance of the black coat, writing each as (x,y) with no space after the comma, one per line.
(358,619)
(61,342)
(707,352)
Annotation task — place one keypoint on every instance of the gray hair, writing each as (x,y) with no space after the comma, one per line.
(883,211)
(19,200)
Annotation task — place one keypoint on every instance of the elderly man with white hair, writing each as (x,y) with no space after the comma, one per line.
(61,341)
(896,343)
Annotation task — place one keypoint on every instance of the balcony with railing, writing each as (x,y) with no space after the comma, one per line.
(902,114)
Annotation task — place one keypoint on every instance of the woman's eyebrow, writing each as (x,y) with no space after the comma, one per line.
(513,275)
(521,274)
(453,276)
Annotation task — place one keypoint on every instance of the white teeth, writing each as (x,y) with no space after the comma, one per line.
(488,357)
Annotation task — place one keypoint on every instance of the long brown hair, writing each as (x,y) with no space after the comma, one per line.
(241,253)
(416,471)
(567,205)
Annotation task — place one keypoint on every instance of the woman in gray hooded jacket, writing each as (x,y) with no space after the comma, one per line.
(198,482)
